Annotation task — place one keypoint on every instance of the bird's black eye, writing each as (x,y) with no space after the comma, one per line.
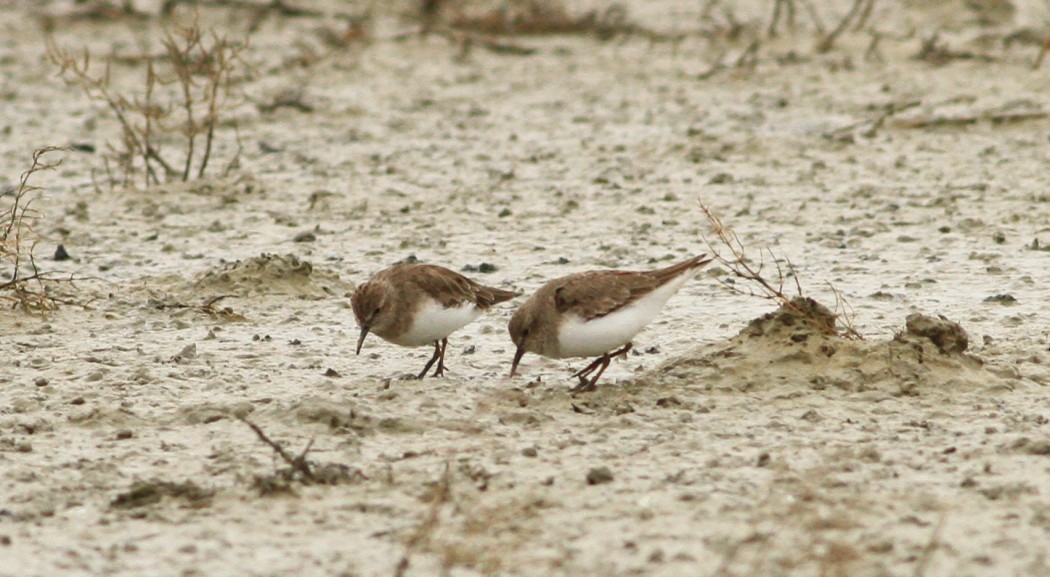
(376,312)
(525,333)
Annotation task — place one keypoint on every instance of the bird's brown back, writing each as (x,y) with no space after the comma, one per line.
(443,285)
(594,294)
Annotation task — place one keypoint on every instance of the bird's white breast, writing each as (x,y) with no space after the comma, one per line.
(580,338)
(433,322)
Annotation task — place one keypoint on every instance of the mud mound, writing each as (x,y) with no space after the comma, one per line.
(272,274)
(787,349)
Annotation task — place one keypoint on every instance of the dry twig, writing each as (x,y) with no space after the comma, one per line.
(18,240)
(751,271)
(185,93)
(873,124)
(297,463)
(860,11)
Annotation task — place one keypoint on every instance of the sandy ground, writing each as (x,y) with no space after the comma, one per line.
(719,448)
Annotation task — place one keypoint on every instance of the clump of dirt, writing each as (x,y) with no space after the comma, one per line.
(272,274)
(797,347)
(146,493)
(798,318)
(948,335)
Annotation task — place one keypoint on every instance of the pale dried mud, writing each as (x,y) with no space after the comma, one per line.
(722,446)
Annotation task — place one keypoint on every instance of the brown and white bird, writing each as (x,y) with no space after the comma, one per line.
(595,313)
(414,305)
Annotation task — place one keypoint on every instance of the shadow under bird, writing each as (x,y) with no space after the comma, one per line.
(595,313)
(414,305)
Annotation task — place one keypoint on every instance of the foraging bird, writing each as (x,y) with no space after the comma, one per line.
(592,313)
(413,305)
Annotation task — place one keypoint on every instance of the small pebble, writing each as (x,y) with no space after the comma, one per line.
(1003,299)
(599,476)
(61,254)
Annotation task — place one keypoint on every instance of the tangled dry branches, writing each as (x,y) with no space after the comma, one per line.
(24,285)
(185,94)
(724,240)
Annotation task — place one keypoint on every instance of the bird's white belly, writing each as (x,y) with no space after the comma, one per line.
(434,322)
(580,338)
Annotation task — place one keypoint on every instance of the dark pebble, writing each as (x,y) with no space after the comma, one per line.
(1003,299)
(599,476)
(61,254)
(307,236)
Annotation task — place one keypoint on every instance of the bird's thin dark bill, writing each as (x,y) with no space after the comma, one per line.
(517,358)
(361,339)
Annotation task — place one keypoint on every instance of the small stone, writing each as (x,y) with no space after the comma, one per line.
(599,476)
(529,451)
(665,402)
(721,178)
(77,401)
(61,254)
(1003,299)
(332,373)
(188,352)
(124,434)
(999,237)
(305,236)
(1038,448)
(41,382)
(763,460)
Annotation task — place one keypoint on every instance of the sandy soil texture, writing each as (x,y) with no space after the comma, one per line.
(907,165)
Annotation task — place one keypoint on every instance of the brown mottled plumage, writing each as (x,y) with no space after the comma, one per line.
(420,304)
(592,313)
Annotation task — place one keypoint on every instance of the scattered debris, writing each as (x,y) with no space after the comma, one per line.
(146,493)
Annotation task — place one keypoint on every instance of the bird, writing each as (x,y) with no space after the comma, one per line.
(594,313)
(413,305)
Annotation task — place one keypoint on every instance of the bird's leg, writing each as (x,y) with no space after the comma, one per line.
(599,364)
(430,363)
(440,370)
(582,374)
